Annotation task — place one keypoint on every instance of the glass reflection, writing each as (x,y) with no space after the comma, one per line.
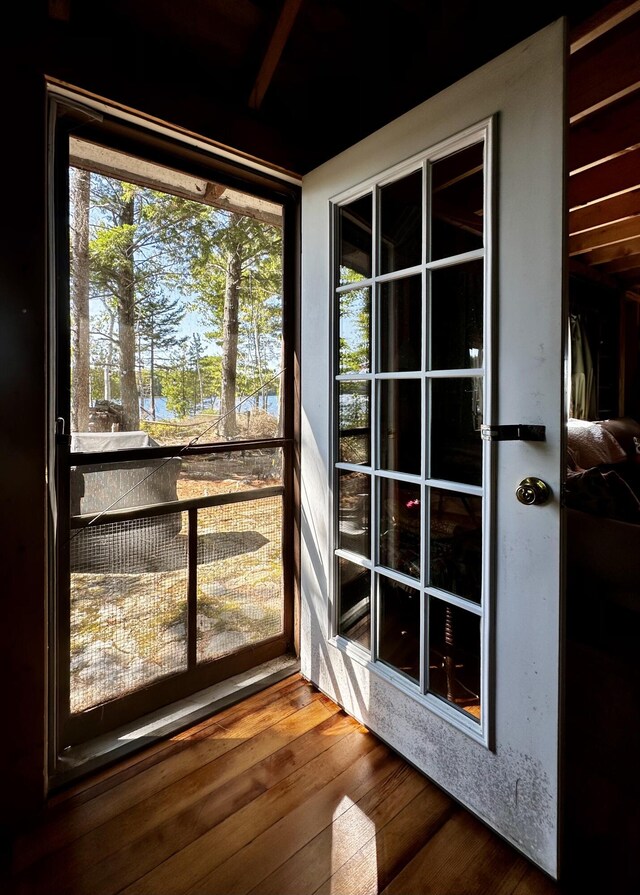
(401,223)
(354,500)
(457,203)
(456,417)
(354,435)
(454,656)
(354,589)
(455,543)
(355,335)
(399,632)
(354,228)
(400,325)
(401,425)
(457,306)
(400,526)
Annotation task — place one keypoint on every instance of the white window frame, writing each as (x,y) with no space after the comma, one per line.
(484,131)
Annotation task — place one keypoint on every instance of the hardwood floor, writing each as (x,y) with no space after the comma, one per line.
(282,794)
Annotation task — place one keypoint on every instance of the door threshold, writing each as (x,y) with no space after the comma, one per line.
(86,757)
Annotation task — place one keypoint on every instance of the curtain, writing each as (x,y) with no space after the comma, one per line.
(582,404)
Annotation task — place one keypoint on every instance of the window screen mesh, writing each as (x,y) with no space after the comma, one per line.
(240,587)
(128,607)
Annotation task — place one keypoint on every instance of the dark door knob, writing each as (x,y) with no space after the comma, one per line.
(532,491)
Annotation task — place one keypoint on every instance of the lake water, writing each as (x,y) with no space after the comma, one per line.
(163,414)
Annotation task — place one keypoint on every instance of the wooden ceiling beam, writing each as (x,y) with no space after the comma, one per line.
(601,22)
(596,75)
(604,236)
(605,134)
(60,10)
(454,169)
(285,23)
(617,175)
(459,217)
(579,268)
(597,214)
(628,262)
(611,252)
(122,166)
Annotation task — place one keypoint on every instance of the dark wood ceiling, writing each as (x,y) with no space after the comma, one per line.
(296,81)
(293,80)
(604,146)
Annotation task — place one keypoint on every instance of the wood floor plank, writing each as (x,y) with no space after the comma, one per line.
(471,858)
(127,767)
(282,795)
(145,855)
(446,855)
(247,869)
(341,839)
(497,868)
(215,846)
(535,882)
(123,849)
(295,689)
(59,831)
(383,856)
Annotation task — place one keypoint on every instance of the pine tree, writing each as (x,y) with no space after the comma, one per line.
(81,385)
(237,263)
(137,259)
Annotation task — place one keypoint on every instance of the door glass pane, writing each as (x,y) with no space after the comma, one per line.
(151,274)
(240,584)
(401,223)
(399,633)
(205,474)
(128,606)
(456,416)
(354,512)
(355,338)
(400,425)
(354,589)
(457,305)
(400,326)
(98,487)
(454,656)
(354,227)
(416,333)
(457,203)
(455,543)
(353,421)
(400,526)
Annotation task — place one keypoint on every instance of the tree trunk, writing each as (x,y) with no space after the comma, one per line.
(152,374)
(81,372)
(126,332)
(200,386)
(109,365)
(230,343)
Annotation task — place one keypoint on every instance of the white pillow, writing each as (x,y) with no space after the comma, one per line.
(591,445)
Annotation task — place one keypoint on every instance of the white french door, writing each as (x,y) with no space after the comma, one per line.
(432,383)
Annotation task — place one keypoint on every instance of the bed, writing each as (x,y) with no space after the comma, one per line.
(602,500)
